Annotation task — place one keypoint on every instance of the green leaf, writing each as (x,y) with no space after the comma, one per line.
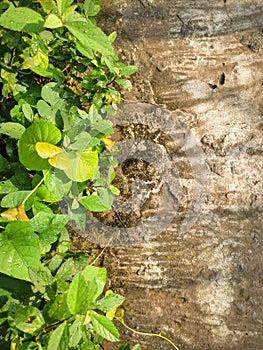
(52,224)
(47,5)
(99,274)
(55,262)
(14,199)
(58,183)
(60,338)
(48,226)
(56,309)
(22,19)
(136,347)
(9,82)
(109,302)
(38,62)
(84,141)
(66,271)
(88,34)
(45,110)
(98,202)
(84,50)
(92,291)
(104,327)
(103,127)
(40,278)
(41,207)
(112,37)
(84,166)
(3,163)
(14,130)
(29,345)
(63,5)
(115,190)
(19,250)
(50,93)
(77,297)
(37,132)
(91,7)
(28,112)
(128,70)
(94,203)
(7,187)
(111,174)
(29,320)
(51,102)
(75,331)
(45,195)
(53,21)
(124,83)
(64,241)
(78,217)
(17,288)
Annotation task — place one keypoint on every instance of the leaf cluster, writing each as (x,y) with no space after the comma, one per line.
(57,301)
(59,78)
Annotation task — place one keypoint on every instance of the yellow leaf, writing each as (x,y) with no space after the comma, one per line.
(110,314)
(108,142)
(21,214)
(26,65)
(15,343)
(47,150)
(15,214)
(120,313)
(109,291)
(87,318)
(40,60)
(60,161)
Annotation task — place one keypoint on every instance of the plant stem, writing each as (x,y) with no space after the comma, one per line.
(36,187)
(102,252)
(146,333)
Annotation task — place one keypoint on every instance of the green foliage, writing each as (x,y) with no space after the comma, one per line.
(57,308)
(59,77)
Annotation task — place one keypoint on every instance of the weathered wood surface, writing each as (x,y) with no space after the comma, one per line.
(204,61)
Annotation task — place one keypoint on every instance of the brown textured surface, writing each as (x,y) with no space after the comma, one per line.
(204,61)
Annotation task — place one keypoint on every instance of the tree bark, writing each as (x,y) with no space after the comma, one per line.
(202,61)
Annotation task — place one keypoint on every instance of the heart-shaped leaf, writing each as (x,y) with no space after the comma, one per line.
(56,156)
(83,166)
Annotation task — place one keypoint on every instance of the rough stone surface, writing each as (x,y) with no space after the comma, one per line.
(203,61)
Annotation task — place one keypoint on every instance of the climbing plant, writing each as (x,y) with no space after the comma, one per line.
(59,78)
